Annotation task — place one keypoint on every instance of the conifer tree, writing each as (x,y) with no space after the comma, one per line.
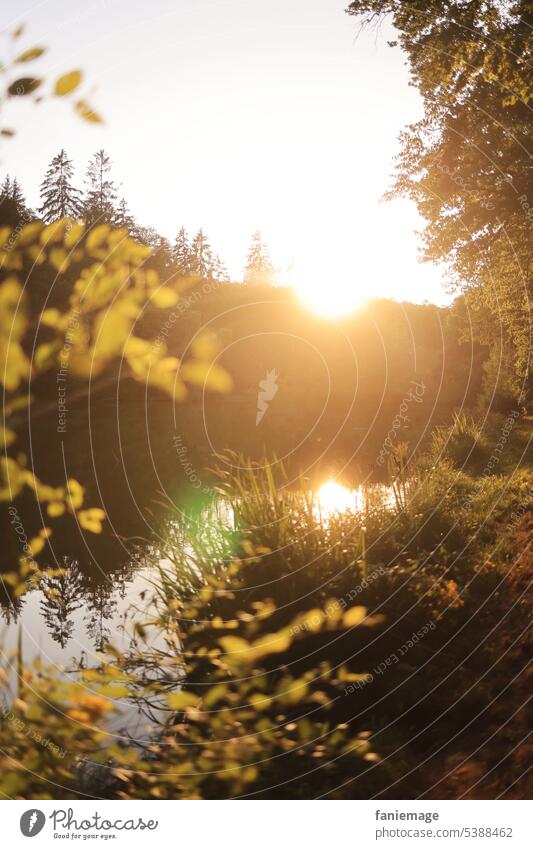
(181,253)
(219,271)
(13,209)
(258,268)
(201,256)
(101,197)
(60,198)
(124,219)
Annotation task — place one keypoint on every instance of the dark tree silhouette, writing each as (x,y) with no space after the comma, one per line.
(101,197)
(14,211)
(124,219)
(62,597)
(60,198)
(181,253)
(102,607)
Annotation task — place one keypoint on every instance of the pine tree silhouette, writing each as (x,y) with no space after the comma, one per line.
(13,209)
(201,256)
(101,197)
(181,253)
(60,198)
(62,597)
(124,219)
(102,608)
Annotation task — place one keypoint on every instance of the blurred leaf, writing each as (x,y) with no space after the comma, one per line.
(55,509)
(205,346)
(91,520)
(354,616)
(59,259)
(23,86)
(67,83)
(87,113)
(164,297)
(207,375)
(182,700)
(32,53)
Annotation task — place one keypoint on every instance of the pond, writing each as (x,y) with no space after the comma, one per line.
(67,620)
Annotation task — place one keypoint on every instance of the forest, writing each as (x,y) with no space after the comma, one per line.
(249,551)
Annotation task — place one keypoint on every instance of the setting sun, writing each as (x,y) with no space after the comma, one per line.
(326,292)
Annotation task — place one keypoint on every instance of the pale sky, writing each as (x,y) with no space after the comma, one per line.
(237,115)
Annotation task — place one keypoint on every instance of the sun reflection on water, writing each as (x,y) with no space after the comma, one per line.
(333,497)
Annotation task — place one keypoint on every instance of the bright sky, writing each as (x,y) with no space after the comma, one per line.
(238,115)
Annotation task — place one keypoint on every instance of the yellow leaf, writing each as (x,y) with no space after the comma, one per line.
(83,364)
(36,545)
(354,616)
(182,700)
(97,236)
(59,259)
(12,317)
(54,232)
(29,55)
(260,701)
(235,645)
(55,509)
(29,233)
(91,520)
(214,695)
(273,643)
(7,437)
(45,354)
(75,493)
(14,365)
(51,317)
(67,83)
(205,346)
(165,297)
(73,234)
(36,253)
(111,329)
(207,375)
(87,113)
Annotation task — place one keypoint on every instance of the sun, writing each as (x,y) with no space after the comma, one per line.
(331,293)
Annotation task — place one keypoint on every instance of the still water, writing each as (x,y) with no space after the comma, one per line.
(70,617)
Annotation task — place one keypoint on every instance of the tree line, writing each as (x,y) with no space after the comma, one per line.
(100,203)
(465,163)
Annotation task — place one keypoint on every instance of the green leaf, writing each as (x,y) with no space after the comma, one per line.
(23,86)
(67,83)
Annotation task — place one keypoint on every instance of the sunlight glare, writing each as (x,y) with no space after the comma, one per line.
(327,292)
(333,497)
